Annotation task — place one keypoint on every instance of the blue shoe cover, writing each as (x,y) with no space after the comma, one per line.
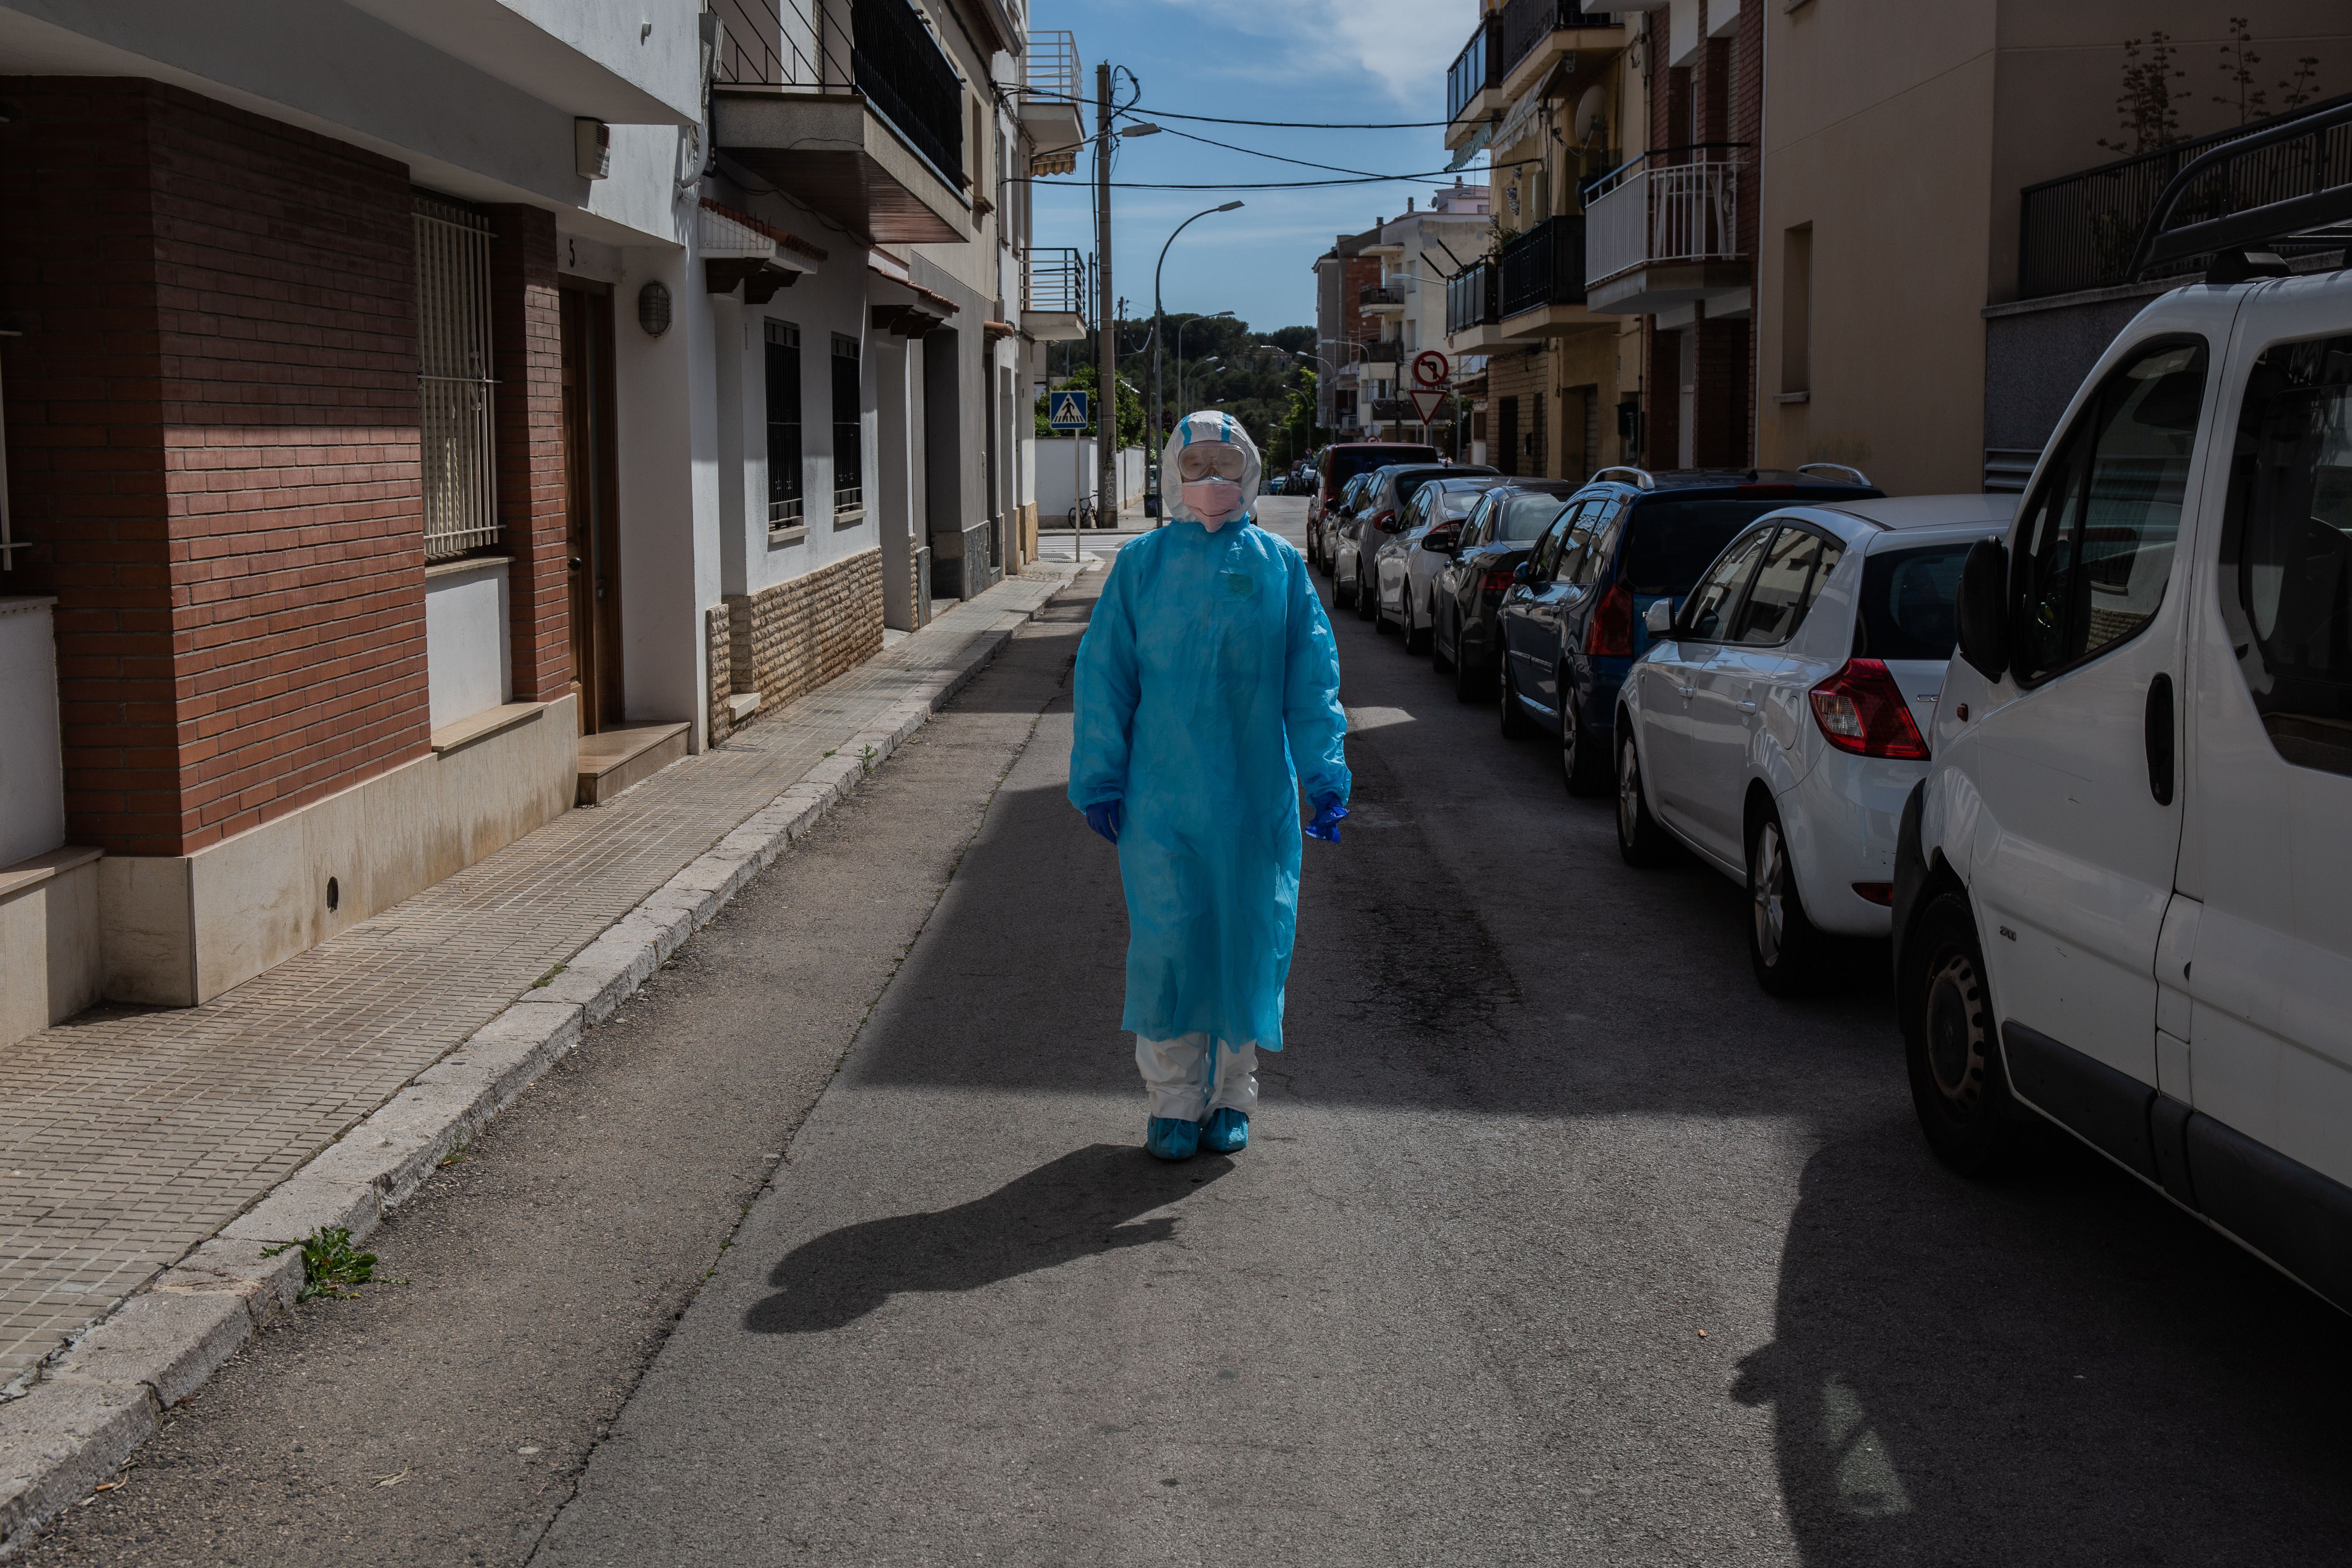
(1171,1139)
(1226,1132)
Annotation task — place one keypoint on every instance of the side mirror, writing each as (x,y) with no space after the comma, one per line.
(1980,608)
(1444,544)
(1520,574)
(1659,617)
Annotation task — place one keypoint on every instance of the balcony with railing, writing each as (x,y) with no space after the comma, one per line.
(2079,231)
(1473,80)
(1543,267)
(1511,49)
(1054,294)
(1382,299)
(1473,298)
(849,106)
(1052,101)
(1663,230)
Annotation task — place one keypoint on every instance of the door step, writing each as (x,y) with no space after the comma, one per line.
(612,759)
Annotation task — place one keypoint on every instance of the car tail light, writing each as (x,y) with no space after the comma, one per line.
(1612,631)
(1497,580)
(1381,518)
(1860,710)
(1877,892)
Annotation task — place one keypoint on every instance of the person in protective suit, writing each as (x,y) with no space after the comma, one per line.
(1208,694)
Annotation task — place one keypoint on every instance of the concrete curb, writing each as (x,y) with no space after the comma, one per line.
(101,1397)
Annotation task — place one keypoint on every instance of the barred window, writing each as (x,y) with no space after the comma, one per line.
(848,431)
(783,425)
(454,379)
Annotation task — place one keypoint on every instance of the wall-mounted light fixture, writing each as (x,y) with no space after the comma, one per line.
(592,147)
(652,308)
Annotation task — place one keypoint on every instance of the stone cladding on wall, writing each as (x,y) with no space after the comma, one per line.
(793,637)
(717,663)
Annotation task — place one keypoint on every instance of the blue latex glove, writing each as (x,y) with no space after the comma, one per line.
(1103,819)
(1328,813)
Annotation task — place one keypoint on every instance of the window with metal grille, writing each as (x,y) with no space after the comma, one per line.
(848,442)
(783,424)
(454,379)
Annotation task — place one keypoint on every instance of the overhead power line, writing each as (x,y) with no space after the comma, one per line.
(1302,124)
(1268,184)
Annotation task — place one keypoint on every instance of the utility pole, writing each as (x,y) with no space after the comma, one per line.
(1106,332)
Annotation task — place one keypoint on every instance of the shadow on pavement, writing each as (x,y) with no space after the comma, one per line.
(1077,1205)
(1945,1350)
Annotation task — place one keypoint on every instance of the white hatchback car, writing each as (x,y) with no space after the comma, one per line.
(1776,724)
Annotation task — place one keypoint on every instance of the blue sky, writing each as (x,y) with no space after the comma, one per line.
(1353,60)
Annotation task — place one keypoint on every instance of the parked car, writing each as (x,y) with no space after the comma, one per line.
(1470,584)
(1334,466)
(1775,726)
(1572,623)
(1276,485)
(1381,514)
(1403,567)
(2123,890)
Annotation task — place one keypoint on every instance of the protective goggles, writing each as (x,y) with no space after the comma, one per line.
(1211,460)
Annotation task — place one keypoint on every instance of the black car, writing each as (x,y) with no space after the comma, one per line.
(1470,586)
(1571,624)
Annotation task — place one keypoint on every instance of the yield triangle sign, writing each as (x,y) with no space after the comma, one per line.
(1425,404)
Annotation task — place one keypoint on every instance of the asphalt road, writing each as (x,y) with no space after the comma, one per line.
(1557,1241)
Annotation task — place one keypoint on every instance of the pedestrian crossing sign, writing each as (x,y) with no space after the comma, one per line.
(1067,410)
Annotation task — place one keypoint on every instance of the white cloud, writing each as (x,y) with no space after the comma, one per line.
(1404,46)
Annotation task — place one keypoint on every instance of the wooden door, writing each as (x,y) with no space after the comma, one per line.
(592,520)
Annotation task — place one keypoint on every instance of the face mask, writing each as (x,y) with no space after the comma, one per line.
(1213,501)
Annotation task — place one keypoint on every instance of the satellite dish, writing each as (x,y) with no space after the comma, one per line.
(1591,111)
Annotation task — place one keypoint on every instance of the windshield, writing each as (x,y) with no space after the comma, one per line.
(1669,543)
(1907,602)
(1458,500)
(1525,517)
(1348,464)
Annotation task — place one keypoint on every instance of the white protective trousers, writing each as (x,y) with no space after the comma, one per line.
(1176,1075)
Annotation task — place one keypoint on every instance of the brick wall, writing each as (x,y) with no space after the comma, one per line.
(212,429)
(719,669)
(527,353)
(790,640)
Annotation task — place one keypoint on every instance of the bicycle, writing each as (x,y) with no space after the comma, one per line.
(1084,514)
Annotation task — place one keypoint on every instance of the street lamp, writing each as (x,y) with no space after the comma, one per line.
(1181,376)
(1158,409)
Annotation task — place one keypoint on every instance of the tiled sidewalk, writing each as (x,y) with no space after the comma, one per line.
(129,1137)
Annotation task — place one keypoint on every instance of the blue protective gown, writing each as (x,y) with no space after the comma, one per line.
(1208,694)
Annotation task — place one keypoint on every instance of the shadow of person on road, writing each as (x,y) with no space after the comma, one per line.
(2056,1367)
(1077,1205)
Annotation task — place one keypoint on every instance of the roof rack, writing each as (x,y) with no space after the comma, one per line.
(2318,206)
(1859,477)
(1641,479)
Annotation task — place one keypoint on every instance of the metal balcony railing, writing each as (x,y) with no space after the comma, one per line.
(1386,409)
(1390,352)
(889,56)
(1653,209)
(1526,24)
(1373,294)
(1053,64)
(1544,265)
(1472,296)
(1054,280)
(1473,69)
(2078,231)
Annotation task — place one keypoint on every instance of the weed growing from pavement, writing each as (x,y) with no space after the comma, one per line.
(866,760)
(332,1266)
(550,975)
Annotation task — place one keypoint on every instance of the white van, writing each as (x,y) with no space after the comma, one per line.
(2123,890)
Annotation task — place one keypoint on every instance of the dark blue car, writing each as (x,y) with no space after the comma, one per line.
(1571,625)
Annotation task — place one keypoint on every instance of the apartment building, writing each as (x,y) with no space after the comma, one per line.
(420,420)
(1935,183)
(1554,95)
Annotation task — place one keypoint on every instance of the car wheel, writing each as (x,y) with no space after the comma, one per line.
(1368,604)
(1782,945)
(1640,840)
(1469,677)
(1959,1084)
(1439,659)
(1416,637)
(1582,767)
(1516,722)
